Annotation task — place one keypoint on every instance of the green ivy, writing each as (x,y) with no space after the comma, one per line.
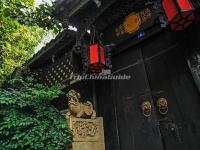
(28,120)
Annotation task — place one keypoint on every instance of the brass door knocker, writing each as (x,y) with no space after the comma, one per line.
(162,105)
(146,108)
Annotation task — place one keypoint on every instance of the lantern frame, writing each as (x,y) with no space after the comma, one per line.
(96,60)
(181,18)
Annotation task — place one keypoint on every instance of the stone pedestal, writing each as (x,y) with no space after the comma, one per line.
(88,134)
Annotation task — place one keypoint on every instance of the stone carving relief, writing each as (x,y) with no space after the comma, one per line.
(83,129)
(88,132)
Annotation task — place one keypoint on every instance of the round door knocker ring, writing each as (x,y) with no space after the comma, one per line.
(162,106)
(146,108)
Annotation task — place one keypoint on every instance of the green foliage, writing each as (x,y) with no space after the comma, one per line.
(17,45)
(22,27)
(24,13)
(27,120)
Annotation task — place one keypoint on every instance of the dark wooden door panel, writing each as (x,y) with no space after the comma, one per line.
(128,58)
(158,70)
(136,132)
(169,77)
(107,109)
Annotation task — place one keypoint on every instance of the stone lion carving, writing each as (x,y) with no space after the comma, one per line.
(79,109)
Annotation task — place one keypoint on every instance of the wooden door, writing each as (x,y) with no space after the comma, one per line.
(170,78)
(164,76)
(136,132)
(159,70)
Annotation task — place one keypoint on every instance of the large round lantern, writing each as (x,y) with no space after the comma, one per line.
(180,13)
(97,61)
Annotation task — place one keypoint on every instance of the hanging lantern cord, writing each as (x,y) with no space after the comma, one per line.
(92,39)
(99,38)
(94,34)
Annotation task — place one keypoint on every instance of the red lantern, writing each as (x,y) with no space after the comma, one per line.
(97,60)
(179,13)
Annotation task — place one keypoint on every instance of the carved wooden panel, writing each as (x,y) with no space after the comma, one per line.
(56,73)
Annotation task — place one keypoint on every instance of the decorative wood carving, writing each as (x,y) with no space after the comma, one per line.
(133,21)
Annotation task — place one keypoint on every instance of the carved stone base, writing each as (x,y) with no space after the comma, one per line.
(88,134)
(88,146)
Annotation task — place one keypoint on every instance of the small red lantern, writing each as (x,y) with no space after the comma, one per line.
(97,60)
(179,13)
